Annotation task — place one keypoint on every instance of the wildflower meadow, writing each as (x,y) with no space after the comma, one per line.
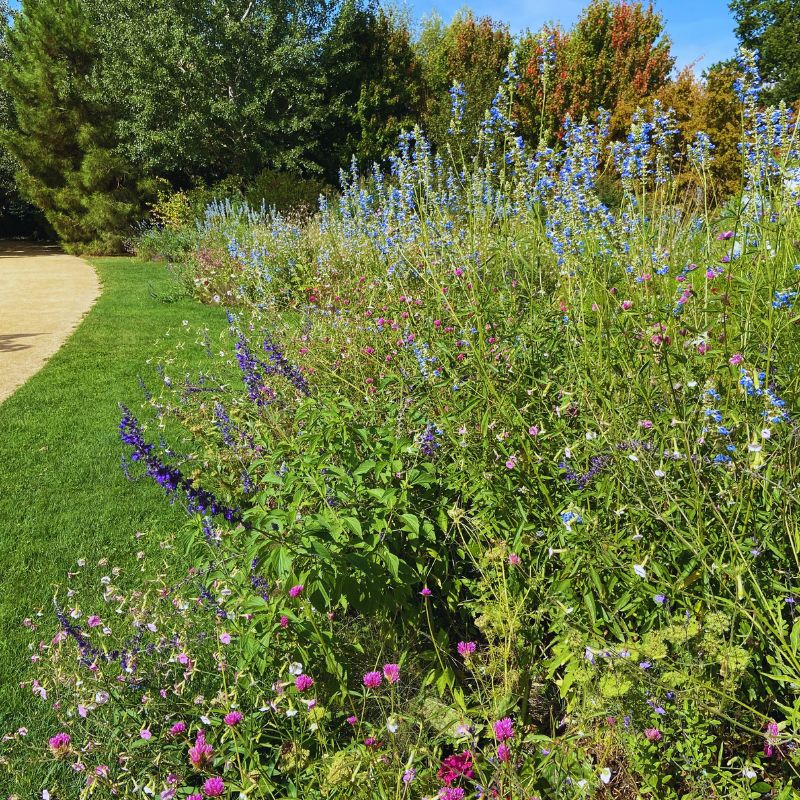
(491,484)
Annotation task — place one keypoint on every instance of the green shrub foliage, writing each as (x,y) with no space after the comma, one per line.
(492,489)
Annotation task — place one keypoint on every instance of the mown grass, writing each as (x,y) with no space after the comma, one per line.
(63,495)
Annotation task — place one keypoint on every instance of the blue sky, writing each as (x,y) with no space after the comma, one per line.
(698,28)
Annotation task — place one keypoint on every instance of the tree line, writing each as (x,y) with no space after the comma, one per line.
(105,102)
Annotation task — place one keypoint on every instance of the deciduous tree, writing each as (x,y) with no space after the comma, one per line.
(772,29)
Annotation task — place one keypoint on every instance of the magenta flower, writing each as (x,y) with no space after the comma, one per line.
(213,787)
(195,797)
(426,592)
(652,734)
(233,718)
(454,767)
(503,752)
(225,638)
(452,793)
(513,560)
(466,649)
(352,720)
(59,744)
(303,682)
(372,680)
(391,672)
(178,728)
(284,621)
(626,305)
(736,359)
(296,591)
(503,729)
(93,621)
(146,735)
(200,752)
(721,237)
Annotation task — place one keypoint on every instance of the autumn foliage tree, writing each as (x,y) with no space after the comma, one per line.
(615,56)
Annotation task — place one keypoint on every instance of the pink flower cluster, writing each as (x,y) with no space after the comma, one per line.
(454,766)
(200,753)
(372,680)
(466,649)
(503,729)
(303,682)
(213,787)
(59,744)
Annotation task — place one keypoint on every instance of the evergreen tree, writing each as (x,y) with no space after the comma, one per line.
(345,61)
(390,99)
(772,29)
(62,134)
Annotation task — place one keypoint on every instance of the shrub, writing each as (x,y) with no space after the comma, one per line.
(492,491)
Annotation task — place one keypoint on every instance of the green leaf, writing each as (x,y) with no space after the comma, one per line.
(411,523)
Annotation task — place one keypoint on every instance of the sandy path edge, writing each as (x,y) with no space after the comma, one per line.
(44,295)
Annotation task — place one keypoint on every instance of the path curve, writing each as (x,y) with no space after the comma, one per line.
(44,294)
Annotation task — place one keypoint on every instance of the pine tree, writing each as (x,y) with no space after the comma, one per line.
(62,135)
(17,216)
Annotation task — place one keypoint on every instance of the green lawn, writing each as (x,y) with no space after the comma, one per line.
(63,495)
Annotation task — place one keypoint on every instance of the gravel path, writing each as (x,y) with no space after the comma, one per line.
(44,294)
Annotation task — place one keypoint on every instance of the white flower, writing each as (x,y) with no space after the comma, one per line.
(749,772)
(605,775)
(640,570)
(205,720)
(754,447)
(659,473)
(295,668)
(291,712)
(391,725)
(632,457)
(766,433)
